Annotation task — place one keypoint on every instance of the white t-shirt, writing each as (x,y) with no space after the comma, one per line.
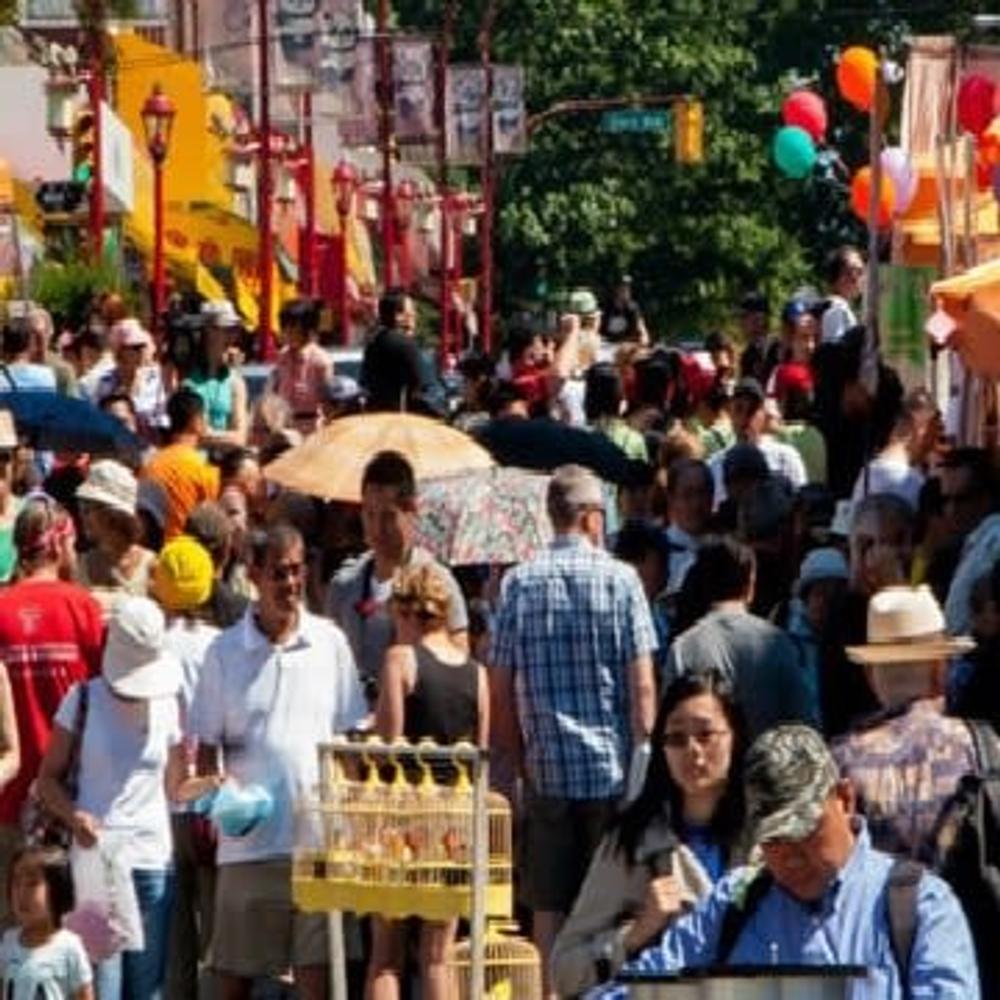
(268,707)
(53,971)
(838,318)
(890,475)
(189,641)
(123,760)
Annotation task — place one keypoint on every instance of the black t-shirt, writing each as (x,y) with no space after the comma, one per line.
(620,323)
(396,376)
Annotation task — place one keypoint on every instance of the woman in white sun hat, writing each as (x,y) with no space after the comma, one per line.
(116,565)
(131,723)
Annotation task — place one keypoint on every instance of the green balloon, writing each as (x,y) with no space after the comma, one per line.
(794,151)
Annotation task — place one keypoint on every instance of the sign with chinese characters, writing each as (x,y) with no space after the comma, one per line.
(413,89)
(510,122)
(466,94)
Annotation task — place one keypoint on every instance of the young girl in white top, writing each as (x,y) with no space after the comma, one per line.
(38,959)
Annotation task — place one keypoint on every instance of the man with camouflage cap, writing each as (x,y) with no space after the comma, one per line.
(822,895)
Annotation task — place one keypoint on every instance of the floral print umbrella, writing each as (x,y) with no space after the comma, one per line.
(488,516)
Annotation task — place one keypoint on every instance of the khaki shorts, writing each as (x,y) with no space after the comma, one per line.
(559,840)
(258,930)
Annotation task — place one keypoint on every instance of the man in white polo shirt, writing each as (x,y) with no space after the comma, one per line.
(272,687)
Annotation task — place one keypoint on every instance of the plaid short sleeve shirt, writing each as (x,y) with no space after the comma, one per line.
(570,623)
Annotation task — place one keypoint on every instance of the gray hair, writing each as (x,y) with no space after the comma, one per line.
(572,490)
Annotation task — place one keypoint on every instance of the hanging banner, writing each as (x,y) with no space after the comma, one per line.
(510,120)
(295,27)
(350,78)
(466,94)
(228,29)
(413,89)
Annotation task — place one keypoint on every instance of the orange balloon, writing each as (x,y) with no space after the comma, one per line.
(856,77)
(861,189)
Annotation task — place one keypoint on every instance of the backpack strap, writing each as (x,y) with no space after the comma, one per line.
(739,912)
(984,739)
(901,910)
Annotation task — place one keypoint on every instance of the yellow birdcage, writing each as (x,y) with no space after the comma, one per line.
(513,968)
(389,834)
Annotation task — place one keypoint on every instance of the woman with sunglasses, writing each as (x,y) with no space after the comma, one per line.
(429,688)
(665,849)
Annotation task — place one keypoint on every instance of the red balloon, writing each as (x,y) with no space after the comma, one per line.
(806,110)
(976,103)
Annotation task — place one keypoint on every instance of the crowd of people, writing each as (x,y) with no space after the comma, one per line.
(735,703)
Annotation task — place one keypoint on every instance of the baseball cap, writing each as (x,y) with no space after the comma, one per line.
(749,387)
(583,302)
(341,389)
(754,302)
(821,564)
(183,576)
(788,775)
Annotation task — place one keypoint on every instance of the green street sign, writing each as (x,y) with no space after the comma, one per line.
(635,120)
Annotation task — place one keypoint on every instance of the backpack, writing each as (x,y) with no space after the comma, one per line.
(966,851)
(901,913)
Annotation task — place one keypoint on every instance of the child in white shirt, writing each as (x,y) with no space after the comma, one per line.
(38,959)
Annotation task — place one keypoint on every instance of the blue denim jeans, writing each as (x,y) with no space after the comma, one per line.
(138,975)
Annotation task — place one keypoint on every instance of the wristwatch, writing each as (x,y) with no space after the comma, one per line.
(603,952)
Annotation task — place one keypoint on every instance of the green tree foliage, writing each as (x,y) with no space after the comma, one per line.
(68,289)
(583,206)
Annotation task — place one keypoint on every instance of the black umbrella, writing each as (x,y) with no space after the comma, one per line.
(546,444)
(50,421)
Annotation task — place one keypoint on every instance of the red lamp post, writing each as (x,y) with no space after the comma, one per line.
(345,184)
(157,121)
(405,202)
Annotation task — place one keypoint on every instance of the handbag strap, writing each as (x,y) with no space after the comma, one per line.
(72,779)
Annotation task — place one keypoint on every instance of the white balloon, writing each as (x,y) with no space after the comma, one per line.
(897,165)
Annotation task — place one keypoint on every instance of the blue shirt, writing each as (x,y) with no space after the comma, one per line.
(28,377)
(569,625)
(848,926)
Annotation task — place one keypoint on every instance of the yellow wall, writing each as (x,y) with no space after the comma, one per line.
(194,169)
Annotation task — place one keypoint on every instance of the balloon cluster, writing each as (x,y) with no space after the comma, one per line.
(805,123)
(979,114)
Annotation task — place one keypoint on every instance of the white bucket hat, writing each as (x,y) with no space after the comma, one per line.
(906,625)
(135,664)
(110,483)
(221,313)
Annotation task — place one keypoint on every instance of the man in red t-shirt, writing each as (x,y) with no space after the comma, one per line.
(51,636)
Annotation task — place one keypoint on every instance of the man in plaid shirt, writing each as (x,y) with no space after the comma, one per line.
(573,690)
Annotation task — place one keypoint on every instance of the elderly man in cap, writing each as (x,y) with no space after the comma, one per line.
(907,760)
(824,894)
(573,691)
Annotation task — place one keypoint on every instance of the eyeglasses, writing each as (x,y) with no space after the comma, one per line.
(704,738)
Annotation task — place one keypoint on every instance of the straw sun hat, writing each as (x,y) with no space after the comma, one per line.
(906,625)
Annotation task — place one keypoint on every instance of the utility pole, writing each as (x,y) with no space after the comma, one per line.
(443,54)
(265,193)
(489,181)
(385,138)
(96,90)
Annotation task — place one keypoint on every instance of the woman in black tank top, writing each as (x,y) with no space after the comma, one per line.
(429,688)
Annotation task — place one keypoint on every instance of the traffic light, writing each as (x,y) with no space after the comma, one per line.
(689,131)
(83,147)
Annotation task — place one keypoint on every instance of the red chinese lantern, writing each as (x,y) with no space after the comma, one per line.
(861,188)
(976,103)
(806,110)
(856,77)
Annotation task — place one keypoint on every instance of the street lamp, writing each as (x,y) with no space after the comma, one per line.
(405,204)
(158,121)
(60,106)
(345,184)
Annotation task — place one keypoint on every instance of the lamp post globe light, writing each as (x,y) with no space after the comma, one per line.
(158,115)
(345,185)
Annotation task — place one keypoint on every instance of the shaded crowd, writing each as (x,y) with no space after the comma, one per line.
(743,705)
